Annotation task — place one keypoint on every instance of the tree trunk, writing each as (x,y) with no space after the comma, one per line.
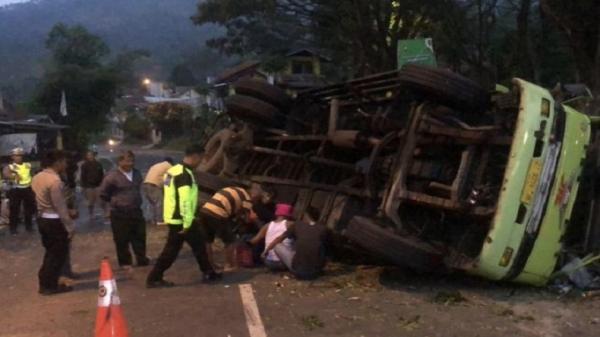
(586,56)
(525,53)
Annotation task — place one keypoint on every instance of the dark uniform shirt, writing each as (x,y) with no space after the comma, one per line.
(310,247)
(91,174)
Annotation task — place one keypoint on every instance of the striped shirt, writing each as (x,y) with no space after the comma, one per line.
(228,203)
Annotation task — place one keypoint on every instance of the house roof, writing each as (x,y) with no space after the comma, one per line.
(31,125)
(300,81)
(242,69)
(307,52)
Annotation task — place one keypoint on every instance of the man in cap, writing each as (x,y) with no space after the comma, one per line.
(18,174)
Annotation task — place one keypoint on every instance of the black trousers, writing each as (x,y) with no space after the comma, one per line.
(194,238)
(55,239)
(129,229)
(18,197)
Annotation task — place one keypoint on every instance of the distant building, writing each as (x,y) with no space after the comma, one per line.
(180,95)
(302,71)
(250,68)
(34,134)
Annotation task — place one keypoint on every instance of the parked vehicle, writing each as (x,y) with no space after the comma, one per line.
(420,166)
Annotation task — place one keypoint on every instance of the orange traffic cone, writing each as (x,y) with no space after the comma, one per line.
(110,321)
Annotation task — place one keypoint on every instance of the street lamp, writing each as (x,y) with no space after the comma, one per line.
(146,81)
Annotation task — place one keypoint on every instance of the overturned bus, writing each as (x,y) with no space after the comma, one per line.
(423,167)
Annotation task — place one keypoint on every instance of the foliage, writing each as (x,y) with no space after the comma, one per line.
(360,35)
(124,65)
(90,88)
(162,28)
(136,128)
(367,32)
(170,118)
(252,26)
(490,40)
(181,75)
(75,46)
(579,22)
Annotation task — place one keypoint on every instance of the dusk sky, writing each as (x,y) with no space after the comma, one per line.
(6,2)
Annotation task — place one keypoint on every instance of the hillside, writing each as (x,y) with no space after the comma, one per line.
(159,26)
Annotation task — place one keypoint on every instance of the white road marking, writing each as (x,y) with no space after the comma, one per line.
(253,320)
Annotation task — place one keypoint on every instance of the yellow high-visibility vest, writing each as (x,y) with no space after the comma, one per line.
(23,174)
(180,196)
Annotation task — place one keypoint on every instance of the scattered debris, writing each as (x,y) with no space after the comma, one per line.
(524,318)
(577,273)
(506,312)
(449,297)
(410,323)
(312,322)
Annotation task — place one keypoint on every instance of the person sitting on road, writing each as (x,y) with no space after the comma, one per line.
(307,260)
(221,214)
(272,231)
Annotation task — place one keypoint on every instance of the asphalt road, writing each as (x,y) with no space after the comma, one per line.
(349,300)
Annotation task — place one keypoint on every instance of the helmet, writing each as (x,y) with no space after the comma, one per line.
(17,151)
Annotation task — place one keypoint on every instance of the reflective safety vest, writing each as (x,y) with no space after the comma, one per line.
(22,174)
(180,196)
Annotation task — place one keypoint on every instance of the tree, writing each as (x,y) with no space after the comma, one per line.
(90,94)
(90,87)
(170,118)
(136,128)
(76,46)
(361,36)
(124,65)
(578,20)
(254,27)
(489,40)
(181,75)
(367,32)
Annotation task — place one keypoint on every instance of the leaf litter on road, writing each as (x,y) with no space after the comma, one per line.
(312,322)
(449,297)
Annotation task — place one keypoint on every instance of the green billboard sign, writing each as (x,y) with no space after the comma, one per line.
(419,51)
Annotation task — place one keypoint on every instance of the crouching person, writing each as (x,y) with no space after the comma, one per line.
(223,213)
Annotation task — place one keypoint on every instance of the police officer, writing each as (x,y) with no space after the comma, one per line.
(180,204)
(55,222)
(18,175)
